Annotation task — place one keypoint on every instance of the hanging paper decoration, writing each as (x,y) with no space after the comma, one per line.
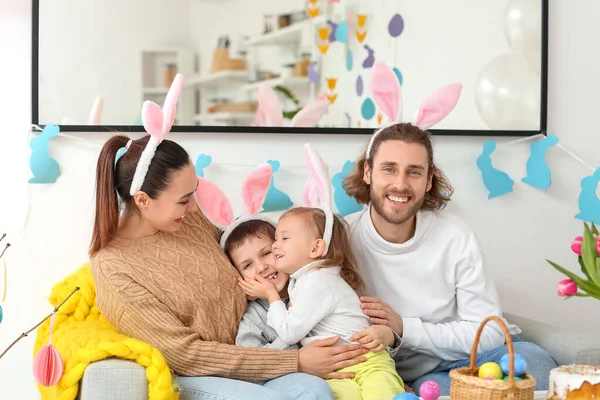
(341,33)
(368,109)
(538,172)
(398,74)
(497,182)
(361,32)
(379,118)
(313,75)
(396,25)
(349,119)
(312,8)
(349,60)
(334,1)
(202,162)
(48,364)
(359,86)
(276,200)
(44,168)
(370,60)
(3,298)
(589,205)
(331,94)
(345,204)
(323,35)
(332,34)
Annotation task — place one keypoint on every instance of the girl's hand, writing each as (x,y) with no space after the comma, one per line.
(375,338)
(260,288)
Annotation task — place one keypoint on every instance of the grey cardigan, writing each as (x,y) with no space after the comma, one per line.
(254,331)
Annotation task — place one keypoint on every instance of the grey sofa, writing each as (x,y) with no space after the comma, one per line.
(115,379)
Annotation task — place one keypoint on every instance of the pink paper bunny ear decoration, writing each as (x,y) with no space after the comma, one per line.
(48,364)
(387,95)
(217,208)
(310,114)
(158,123)
(269,106)
(317,190)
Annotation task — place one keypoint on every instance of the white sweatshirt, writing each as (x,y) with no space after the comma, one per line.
(323,305)
(436,282)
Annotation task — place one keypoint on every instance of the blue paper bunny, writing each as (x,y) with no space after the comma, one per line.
(497,182)
(44,168)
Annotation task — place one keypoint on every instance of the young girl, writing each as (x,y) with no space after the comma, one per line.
(313,247)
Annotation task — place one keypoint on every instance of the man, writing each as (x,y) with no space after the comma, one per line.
(424,266)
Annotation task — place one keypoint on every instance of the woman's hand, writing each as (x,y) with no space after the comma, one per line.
(375,338)
(322,359)
(260,288)
(382,314)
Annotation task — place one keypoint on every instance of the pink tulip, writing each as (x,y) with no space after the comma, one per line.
(598,245)
(566,287)
(576,245)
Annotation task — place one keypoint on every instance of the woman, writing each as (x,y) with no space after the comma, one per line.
(161,277)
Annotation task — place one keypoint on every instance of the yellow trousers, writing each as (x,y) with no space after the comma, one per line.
(375,379)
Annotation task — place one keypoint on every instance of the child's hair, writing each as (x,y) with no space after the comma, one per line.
(340,252)
(247,230)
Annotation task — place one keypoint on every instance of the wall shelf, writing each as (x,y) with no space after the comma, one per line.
(285,36)
(217,78)
(294,81)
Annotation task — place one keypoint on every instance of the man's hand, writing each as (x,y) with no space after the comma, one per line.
(382,314)
(259,288)
(375,338)
(320,359)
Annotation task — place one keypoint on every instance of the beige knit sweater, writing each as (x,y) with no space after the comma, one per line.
(178,292)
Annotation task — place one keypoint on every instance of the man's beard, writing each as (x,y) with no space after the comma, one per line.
(399,216)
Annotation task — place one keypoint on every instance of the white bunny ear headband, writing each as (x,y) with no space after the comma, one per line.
(158,123)
(269,111)
(317,190)
(217,208)
(385,88)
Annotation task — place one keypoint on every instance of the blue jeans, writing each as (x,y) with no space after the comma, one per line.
(296,386)
(539,364)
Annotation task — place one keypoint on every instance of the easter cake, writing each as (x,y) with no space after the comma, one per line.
(574,382)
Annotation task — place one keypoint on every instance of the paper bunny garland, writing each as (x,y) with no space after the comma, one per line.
(317,190)
(269,111)
(158,123)
(217,208)
(385,88)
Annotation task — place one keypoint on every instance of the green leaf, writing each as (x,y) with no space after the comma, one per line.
(589,254)
(587,286)
(594,229)
(581,295)
(584,269)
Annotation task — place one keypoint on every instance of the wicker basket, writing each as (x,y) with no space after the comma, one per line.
(466,384)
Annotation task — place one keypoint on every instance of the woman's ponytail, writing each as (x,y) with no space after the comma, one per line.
(106,220)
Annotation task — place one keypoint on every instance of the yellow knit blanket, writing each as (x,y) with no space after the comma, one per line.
(82,336)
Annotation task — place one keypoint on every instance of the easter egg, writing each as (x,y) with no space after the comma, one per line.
(520,364)
(490,370)
(430,390)
(516,378)
(405,396)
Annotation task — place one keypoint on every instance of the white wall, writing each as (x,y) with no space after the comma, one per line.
(69,45)
(55,237)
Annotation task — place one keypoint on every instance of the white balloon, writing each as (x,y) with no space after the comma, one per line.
(523,30)
(507,94)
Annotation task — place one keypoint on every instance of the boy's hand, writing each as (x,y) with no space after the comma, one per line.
(260,288)
(375,338)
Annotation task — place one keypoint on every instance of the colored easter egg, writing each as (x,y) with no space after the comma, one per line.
(341,32)
(1,314)
(349,60)
(359,86)
(368,109)
(490,370)
(405,396)
(398,75)
(520,364)
(430,390)
(516,378)
(396,25)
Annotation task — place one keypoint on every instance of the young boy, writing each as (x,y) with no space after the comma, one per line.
(249,249)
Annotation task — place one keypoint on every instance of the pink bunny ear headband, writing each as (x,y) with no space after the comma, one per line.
(317,190)
(269,111)
(385,88)
(217,208)
(158,123)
